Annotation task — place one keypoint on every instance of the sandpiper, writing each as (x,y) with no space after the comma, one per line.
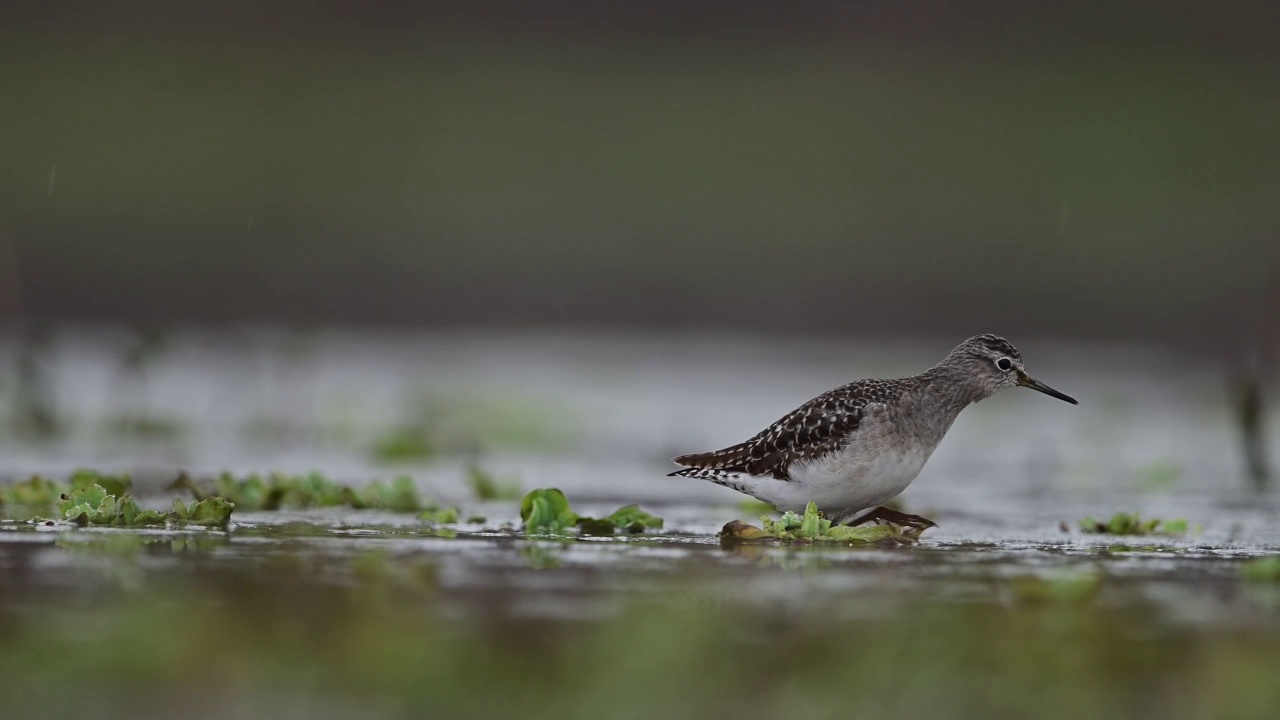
(857,446)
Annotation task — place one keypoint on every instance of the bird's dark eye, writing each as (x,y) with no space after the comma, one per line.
(1004,364)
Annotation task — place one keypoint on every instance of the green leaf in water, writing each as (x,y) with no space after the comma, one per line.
(1131,524)
(546,510)
(116,485)
(401,495)
(211,512)
(812,524)
(596,526)
(440,516)
(93,505)
(35,492)
(634,520)
(306,491)
(861,534)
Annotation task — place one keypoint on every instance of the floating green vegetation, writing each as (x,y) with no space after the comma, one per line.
(407,443)
(94,505)
(33,492)
(634,520)
(1121,548)
(628,518)
(36,492)
(278,490)
(399,495)
(440,515)
(1264,569)
(546,511)
(812,527)
(488,487)
(114,484)
(1131,524)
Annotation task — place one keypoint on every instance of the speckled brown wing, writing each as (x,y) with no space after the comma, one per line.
(819,427)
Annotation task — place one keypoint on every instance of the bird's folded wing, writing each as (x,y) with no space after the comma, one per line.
(819,427)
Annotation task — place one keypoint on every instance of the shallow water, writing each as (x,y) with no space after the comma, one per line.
(599,417)
(1152,435)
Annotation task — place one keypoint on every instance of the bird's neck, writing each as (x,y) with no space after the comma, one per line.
(942,393)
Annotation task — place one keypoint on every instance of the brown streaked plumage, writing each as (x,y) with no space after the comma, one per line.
(861,444)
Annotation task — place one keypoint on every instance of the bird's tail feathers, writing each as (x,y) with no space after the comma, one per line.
(713,465)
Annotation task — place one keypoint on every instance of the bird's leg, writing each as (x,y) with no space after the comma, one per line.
(895,517)
(856,520)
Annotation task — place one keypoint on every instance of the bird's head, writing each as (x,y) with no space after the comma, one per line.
(992,364)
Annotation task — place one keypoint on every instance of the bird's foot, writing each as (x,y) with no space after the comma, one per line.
(915,524)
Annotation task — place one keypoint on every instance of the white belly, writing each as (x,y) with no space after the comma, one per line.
(845,482)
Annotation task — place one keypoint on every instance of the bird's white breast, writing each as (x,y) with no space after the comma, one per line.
(862,475)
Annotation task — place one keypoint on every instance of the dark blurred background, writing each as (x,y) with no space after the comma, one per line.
(1085,169)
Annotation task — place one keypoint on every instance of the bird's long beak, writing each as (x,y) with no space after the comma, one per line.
(1027,381)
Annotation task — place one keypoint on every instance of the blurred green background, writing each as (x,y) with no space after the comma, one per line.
(1087,169)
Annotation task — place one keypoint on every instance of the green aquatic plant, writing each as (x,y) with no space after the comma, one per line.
(1264,569)
(38,492)
(440,515)
(277,491)
(488,487)
(34,492)
(1131,524)
(114,484)
(634,520)
(546,510)
(812,527)
(399,495)
(628,518)
(211,512)
(94,505)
